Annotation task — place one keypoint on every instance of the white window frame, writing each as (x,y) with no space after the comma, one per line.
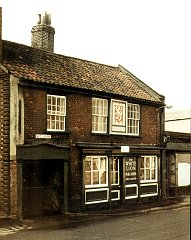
(97,190)
(149,194)
(114,171)
(133,116)
(99,169)
(118,195)
(132,186)
(150,169)
(101,115)
(59,112)
(130,113)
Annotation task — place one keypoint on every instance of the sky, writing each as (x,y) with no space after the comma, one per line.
(150,38)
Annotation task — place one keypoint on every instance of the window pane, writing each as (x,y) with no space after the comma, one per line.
(87,165)
(95,177)
(115,163)
(88,178)
(115,178)
(147,163)
(103,178)
(153,176)
(95,164)
(147,174)
(153,163)
(102,164)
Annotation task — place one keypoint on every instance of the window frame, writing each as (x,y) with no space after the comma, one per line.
(57,113)
(150,168)
(113,172)
(130,113)
(135,119)
(91,171)
(100,115)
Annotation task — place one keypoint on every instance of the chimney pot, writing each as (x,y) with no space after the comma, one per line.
(43,33)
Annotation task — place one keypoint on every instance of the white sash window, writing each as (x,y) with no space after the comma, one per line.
(99,115)
(56,113)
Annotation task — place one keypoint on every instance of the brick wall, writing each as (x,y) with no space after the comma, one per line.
(34,113)
(79,121)
(150,125)
(79,127)
(4,144)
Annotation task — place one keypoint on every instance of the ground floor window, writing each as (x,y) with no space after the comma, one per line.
(114,171)
(118,178)
(96,171)
(148,169)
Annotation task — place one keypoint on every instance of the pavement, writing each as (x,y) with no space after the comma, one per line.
(69,220)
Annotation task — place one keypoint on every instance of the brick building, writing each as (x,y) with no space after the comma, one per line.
(75,134)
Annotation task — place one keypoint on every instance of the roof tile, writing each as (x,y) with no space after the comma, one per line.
(42,66)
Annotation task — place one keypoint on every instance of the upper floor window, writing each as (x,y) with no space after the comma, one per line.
(124,117)
(133,118)
(148,169)
(99,115)
(56,113)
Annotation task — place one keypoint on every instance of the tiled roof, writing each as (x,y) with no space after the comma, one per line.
(44,67)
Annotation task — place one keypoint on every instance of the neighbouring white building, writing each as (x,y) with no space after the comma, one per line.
(178,148)
(178,121)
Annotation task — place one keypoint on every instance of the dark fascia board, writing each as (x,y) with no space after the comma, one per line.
(54,87)
(178,135)
(184,147)
(117,146)
(42,151)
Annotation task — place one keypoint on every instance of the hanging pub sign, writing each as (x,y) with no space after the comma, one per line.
(130,169)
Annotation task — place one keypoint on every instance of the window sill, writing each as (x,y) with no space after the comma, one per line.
(116,135)
(58,132)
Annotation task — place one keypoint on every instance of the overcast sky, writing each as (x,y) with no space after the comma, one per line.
(150,38)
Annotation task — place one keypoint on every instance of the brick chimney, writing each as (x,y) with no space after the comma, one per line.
(43,33)
(0,33)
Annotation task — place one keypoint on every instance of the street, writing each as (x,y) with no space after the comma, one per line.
(163,225)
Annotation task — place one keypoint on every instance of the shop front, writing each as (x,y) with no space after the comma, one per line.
(112,176)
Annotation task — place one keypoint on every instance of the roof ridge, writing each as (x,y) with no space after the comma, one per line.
(151,90)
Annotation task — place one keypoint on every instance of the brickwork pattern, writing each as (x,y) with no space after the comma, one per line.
(4,143)
(79,129)
(43,37)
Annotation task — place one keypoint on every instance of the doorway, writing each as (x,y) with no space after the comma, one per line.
(43,187)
